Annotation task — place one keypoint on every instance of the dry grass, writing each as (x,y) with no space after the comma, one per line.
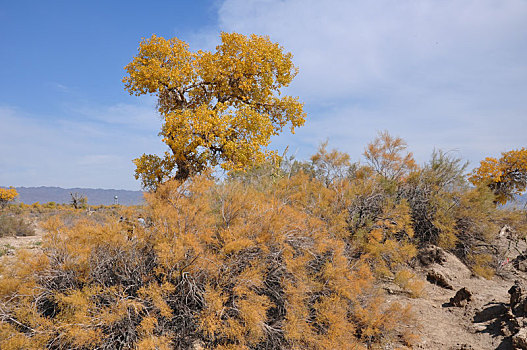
(15,226)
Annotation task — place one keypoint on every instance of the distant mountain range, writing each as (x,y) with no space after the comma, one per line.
(43,194)
(30,195)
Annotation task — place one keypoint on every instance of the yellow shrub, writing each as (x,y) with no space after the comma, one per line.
(222,265)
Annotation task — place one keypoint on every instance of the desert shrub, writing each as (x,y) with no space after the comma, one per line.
(447,212)
(50,205)
(387,156)
(280,256)
(13,208)
(360,210)
(381,230)
(516,220)
(410,282)
(394,206)
(12,226)
(330,166)
(223,266)
(24,206)
(475,216)
(432,193)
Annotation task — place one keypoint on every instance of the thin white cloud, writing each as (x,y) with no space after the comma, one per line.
(448,74)
(69,152)
(61,87)
(139,116)
(442,74)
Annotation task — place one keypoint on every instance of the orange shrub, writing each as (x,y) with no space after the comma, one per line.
(223,266)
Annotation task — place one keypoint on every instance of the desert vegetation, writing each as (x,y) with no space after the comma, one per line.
(278,254)
(11,223)
(275,257)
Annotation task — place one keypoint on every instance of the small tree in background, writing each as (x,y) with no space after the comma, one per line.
(7,195)
(506,177)
(78,200)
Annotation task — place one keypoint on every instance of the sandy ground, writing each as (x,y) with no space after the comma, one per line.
(447,327)
(476,326)
(8,245)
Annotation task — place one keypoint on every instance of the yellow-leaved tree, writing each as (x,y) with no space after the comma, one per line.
(7,195)
(219,108)
(506,176)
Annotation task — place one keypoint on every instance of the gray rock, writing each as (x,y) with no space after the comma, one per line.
(437,278)
(462,297)
(519,340)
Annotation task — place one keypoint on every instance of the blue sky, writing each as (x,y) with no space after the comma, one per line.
(449,74)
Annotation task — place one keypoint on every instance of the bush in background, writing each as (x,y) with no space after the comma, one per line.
(12,226)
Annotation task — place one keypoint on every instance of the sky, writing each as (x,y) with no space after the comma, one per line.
(441,74)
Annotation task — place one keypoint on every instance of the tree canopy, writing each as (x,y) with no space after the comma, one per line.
(7,195)
(506,176)
(219,108)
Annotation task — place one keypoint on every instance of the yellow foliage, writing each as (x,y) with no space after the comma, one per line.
(389,243)
(330,166)
(153,342)
(147,326)
(290,259)
(482,265)
(218,107)
(7,195)
(506,176)
(408,281)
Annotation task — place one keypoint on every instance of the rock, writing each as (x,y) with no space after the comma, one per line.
(430,255)
(390,291)
(514,326)
(462,347)
(505,330)
(510,324)
(480,328)
(516,293)
(519,340)
(521,308)
(462,297)
(518,301)
(520,263)
(437,278)
(197,345)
